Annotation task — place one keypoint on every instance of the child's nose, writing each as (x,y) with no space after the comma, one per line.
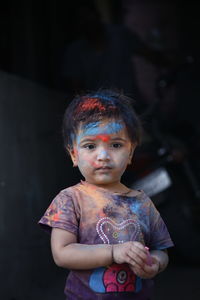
(103,155)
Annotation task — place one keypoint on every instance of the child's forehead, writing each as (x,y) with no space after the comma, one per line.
(104,129)
(103,126)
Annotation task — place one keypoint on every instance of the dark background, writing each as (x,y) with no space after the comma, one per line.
(34,166)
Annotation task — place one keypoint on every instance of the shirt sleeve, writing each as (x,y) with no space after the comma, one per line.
(60,214)
(159,235)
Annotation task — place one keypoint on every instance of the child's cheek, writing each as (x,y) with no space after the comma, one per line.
(123,159)
(84,158)
(88,161)
(94,164)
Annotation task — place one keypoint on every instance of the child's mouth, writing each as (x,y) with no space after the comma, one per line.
(103,168)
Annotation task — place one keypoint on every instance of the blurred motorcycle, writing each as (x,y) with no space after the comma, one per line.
(164,167)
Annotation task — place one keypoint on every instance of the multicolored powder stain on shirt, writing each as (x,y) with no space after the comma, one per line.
(97,216)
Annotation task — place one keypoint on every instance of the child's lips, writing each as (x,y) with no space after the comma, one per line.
(103,168)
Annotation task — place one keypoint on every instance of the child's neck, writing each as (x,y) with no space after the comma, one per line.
(115,187)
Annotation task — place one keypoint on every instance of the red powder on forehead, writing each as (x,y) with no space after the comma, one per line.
(90,104)
(104,137)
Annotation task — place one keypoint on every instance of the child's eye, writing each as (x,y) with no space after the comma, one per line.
(89,146)
(116,145)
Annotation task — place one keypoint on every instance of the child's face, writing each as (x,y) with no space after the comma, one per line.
(102,151)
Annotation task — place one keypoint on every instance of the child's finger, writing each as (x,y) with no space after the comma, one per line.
(154,259)
(137,258)
(139,272)
(139,251)
(146,272)
(134,262)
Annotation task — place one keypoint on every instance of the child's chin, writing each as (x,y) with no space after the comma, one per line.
(103,181)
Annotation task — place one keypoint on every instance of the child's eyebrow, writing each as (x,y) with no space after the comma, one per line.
(92,139)
(85,140)
(118,139)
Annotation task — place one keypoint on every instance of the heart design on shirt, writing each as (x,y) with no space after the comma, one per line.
(111,232)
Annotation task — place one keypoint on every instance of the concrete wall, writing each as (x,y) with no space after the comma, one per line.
(33,168)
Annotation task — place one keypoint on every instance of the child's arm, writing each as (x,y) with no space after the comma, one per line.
(162,257)
(67,253)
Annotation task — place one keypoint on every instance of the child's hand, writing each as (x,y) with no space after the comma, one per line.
(137,256)
(147,271)
(133,253)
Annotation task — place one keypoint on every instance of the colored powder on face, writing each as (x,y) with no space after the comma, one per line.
(104,138)
(103,154)
(91,126)
(99,130)
(95,165)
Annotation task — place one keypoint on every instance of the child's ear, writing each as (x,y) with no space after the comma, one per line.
(73,156)
(131,153)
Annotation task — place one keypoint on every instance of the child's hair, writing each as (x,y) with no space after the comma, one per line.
(95,106)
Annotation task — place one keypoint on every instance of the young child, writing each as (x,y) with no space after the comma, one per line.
(111,237)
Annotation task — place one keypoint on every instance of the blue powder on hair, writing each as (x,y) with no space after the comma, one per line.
(104,97)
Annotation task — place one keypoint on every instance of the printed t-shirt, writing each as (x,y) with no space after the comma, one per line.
(97,216)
